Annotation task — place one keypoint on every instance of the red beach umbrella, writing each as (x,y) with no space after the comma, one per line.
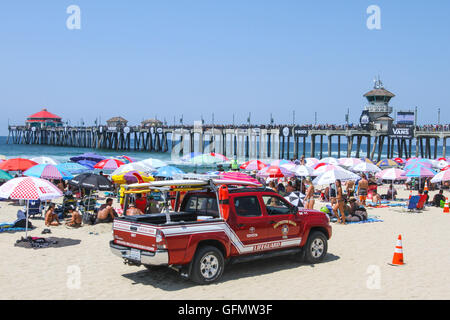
(17,164)
(109,164)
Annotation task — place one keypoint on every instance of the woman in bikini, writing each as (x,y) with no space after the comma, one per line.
(51,218)
(339,203)
(309,198)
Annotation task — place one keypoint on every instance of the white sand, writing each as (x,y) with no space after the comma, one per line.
(357,254)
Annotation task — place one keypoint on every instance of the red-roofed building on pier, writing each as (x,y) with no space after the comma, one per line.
(44,119)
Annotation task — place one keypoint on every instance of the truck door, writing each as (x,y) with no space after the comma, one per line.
(281,222)
(248,222)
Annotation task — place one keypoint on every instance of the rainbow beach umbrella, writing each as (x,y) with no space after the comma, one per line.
(387,163)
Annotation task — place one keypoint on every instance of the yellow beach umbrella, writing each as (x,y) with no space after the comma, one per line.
(131,177)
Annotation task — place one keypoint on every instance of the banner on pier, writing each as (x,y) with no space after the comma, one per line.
(300,132)
(401,133)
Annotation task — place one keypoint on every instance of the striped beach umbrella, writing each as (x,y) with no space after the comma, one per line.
(420,172)
(391,174)
(441,177)
(134,166)
(48,171)
(349,162)
(275,172)
(239,176)
(387,163)
(108,164)
(253,165)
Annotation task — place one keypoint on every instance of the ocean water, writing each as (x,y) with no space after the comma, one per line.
(62,154)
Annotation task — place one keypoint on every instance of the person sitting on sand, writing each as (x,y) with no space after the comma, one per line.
(376,199)
(76,219)
(106,212)
(51,218)
(438,198)
(356,211)
(132,210)
(391,193)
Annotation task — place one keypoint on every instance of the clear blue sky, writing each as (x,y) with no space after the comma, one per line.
(139,59)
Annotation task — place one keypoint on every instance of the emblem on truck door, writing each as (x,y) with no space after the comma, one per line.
(252,233)
(285,231)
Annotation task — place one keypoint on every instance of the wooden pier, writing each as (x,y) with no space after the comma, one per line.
(257,142)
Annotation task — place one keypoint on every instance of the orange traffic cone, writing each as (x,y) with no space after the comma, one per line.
(426,187)
(410,194)
(446,208)
(398,253)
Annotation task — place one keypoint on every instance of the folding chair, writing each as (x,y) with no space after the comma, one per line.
(412,204)
(34,208)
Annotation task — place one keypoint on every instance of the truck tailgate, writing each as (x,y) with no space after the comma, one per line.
(134,235)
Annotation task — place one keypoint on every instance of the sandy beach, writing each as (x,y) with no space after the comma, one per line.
(356,266)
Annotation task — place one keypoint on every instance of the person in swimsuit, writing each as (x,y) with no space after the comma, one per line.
(51,218)
(363,186)
(133,211)
(106,212)
(309,198)
(339,203)
(76,219)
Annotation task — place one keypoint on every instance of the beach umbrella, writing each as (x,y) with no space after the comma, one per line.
(153,163)
(90,156)
(438,159)
(219,156)
(125,159)
(324,168)
(168,172)
(17,164)
(48,171)
(290,166)
(72,167)
(446,168)
(29,188)
(5,176)
(331,176)
(349,162)
(275,172)
(420,172)
(2,157)
(88,164)
(294,198)
(303,171)
(311,162)
(207,159)
(442,164)
(365,167)
(134,166)
(278,163)
(387,163)
(400,160)
(422,162)
(329,160)
(131,177)
(91,181)
(239,176)
(253,165)
(391,174)
(441,177)
(44,160)
(108,164)
(367,160)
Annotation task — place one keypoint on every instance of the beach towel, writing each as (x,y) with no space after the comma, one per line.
(9,227)
(369,220)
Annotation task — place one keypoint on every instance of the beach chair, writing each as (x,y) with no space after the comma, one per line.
(412,204)
(34,208)
(421,202)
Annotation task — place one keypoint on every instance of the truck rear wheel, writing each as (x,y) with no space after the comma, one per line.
(207,266)
(316,247)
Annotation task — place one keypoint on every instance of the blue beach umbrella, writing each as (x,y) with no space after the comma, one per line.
(48,171)
(87,163)
(420,172)
(73,167)
(168,172)
(90,156)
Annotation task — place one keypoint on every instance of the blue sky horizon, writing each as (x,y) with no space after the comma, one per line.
(146,59)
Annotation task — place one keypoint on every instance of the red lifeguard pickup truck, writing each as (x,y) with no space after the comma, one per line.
(195,239)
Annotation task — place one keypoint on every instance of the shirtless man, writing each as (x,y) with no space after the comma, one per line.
(363,186)
(106,213)
(132,210)
(350,184)
(76,219)
(51,218)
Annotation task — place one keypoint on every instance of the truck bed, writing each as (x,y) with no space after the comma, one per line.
(160,218)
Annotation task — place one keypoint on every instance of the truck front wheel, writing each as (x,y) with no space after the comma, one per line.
(208,265)
(316,247)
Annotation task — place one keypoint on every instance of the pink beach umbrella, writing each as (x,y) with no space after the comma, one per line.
(324,168)
(109,164)
(441,177)
(253,165)
(311,162)
(349,162)
(239,176)
(391,174)
(275,172)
